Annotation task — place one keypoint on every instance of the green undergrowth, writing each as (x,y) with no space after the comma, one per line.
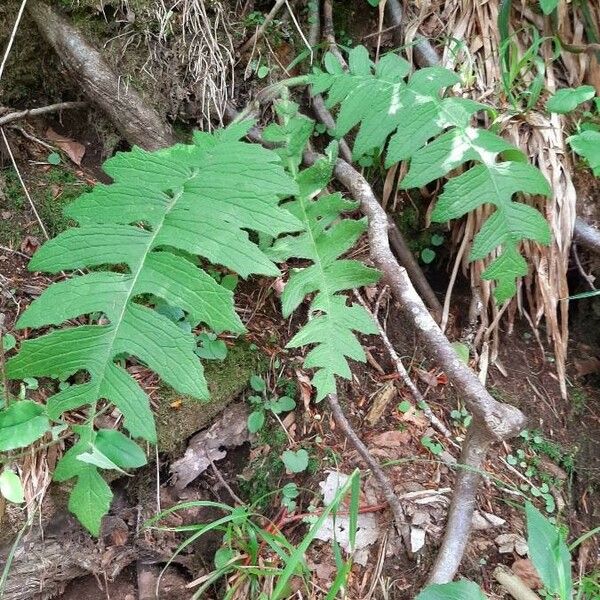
(50,191)
(180,416)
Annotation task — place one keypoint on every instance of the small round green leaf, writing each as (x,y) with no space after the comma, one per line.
(427,255)
(10,486)
(296,462)
(8,342)
(54,158)
(256,420)
(437,239)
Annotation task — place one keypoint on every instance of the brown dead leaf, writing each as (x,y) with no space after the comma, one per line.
(305,387)
(6,214)
(391,439)
(383,397)
(427,377)
(30,244)
(524,569)
(279,286)
(74,150)
(412,415)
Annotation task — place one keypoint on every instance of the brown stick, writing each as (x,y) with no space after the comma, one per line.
(409,262)
(425,53)
(384,483)
(249,43)
(138,123)
(492,420)
(587,236)
(42,110)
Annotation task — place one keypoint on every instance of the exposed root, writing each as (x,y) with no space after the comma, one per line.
(587,236)
(492,420)
(138,123)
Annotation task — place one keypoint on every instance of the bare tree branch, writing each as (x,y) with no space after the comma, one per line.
(492,420)
(42,110)
(587,236)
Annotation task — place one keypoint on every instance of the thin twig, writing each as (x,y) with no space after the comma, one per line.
(295,21)
(222,481)
(5,249)
(403,374)
(12,37)
(381,478)
(260,30)
(589,279)
(16,168)
(42,110)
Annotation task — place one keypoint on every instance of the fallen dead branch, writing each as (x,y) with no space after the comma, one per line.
(381,478)
(493,421)
(587,236)
(138,123)
(514,585)
(42,110)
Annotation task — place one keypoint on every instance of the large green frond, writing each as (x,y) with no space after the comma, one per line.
(146,234)
(326,237)
(436,134)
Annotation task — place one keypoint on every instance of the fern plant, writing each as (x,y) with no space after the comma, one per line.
(142,234)
(435,133)
(325,237)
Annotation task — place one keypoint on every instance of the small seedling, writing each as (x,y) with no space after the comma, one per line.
(262,404)
(461,418)
(289,493)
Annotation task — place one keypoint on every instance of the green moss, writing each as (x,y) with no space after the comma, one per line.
(50,191)
(579,400)
(178,417)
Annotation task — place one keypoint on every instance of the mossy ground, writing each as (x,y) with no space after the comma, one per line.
(178,417)
(51,189)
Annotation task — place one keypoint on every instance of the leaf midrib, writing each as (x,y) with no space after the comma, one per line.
(109,353)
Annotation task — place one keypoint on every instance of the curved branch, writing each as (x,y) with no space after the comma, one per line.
(586,235)
(492,420)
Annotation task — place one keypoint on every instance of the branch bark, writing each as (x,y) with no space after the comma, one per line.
(587,236)
(492,420)
(138,123)
(42,110)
